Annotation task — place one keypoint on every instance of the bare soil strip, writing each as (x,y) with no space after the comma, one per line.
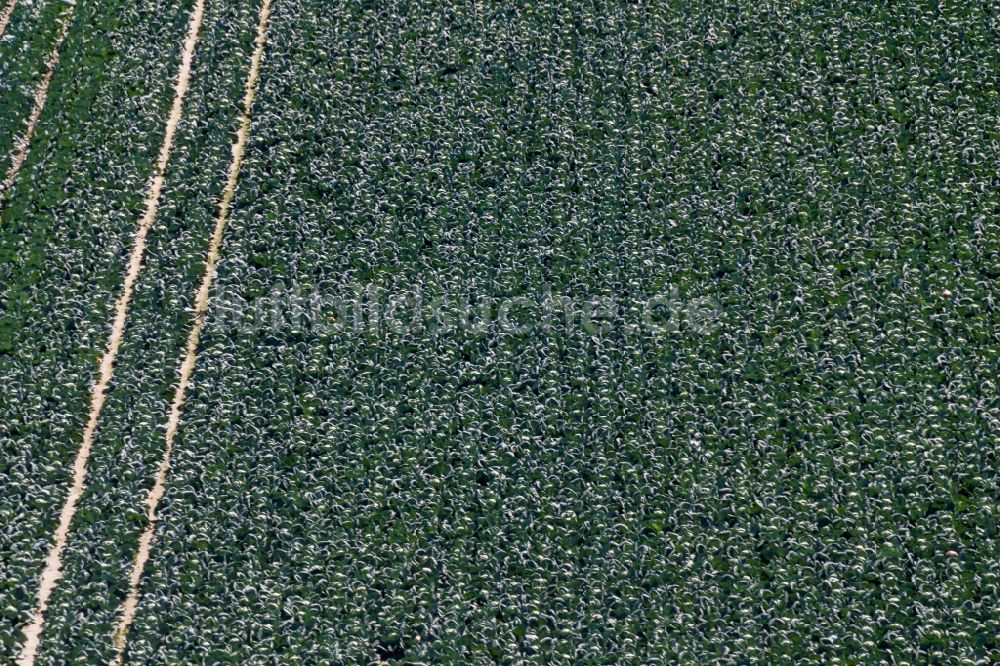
(53,563)
(128,608)
(24,143)
(8,11)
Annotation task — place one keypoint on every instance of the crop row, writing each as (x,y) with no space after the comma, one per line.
(783,487)
(811,478)
(129,444)
(25,48)
(67,230)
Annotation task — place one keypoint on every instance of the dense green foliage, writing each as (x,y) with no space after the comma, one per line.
(783,490)
(130,442)
(66,233)
(813,480)
(25,49)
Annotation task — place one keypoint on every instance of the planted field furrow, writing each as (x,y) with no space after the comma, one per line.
(631,494)
(533,333)
(23,144)
(29,53)
(201,304)
(5,15)
(53,563)
(68,232)
(111,517)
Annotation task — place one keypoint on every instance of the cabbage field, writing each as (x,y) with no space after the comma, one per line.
(463,332)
